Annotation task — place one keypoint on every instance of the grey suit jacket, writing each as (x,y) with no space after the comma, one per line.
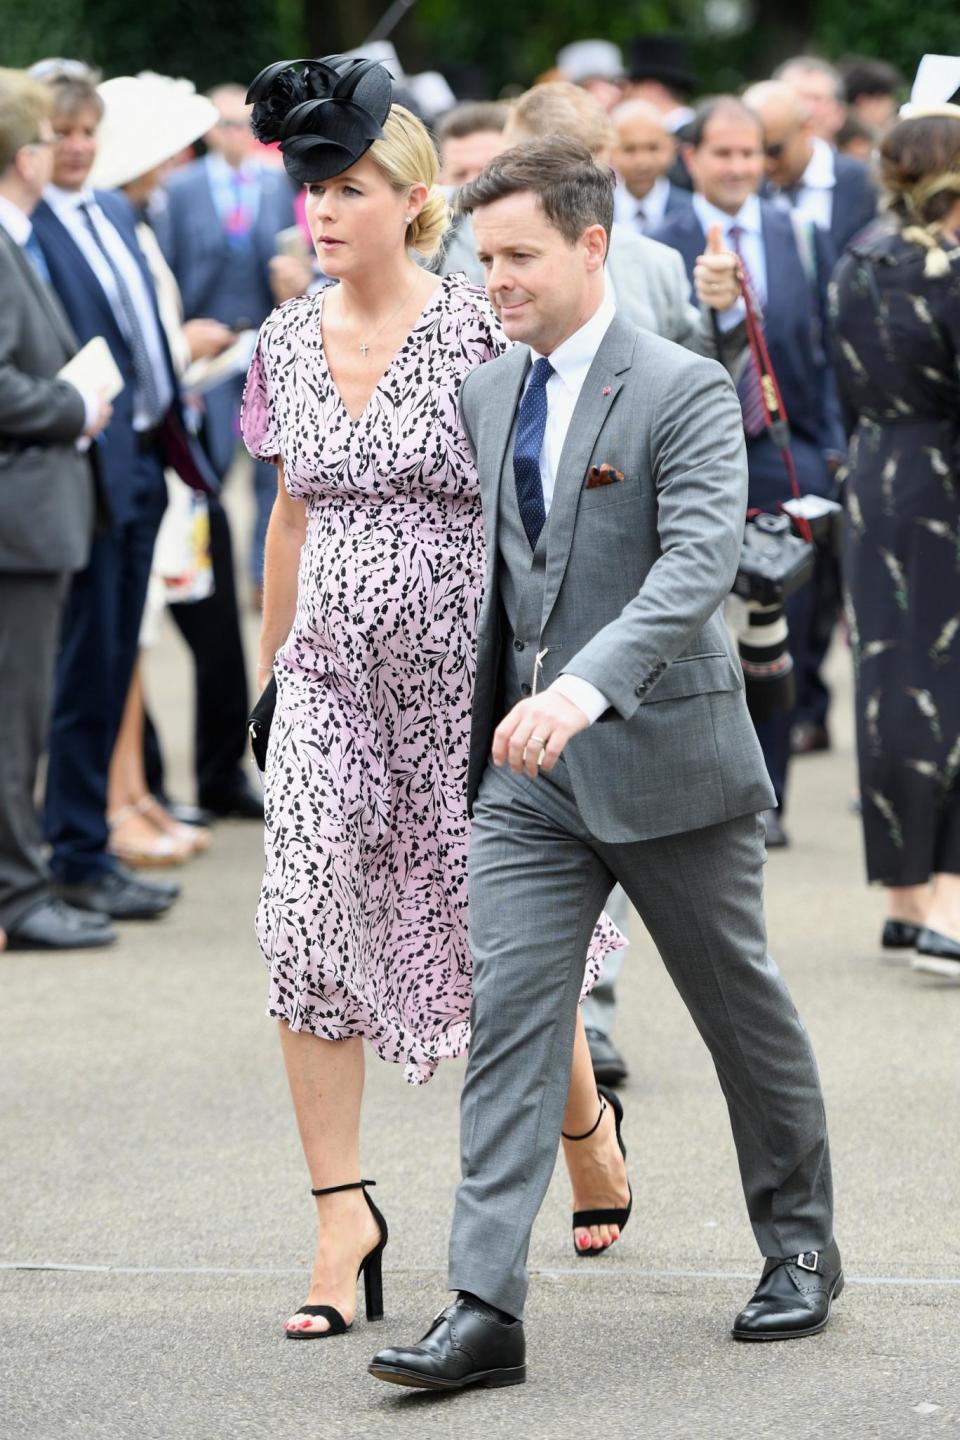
(46,485)
(635,574)
(650,282)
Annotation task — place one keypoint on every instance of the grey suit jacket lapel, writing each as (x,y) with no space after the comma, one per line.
(613,358)
(43,295)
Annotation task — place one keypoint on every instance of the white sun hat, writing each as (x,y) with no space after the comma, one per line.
(147,120)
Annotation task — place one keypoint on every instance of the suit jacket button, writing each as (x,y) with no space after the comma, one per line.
(518,645)
(640,690)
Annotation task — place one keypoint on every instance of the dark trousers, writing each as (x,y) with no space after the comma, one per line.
(30,610)
(98,651)
(211,628)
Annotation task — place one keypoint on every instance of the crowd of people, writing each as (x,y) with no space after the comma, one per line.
(512,376)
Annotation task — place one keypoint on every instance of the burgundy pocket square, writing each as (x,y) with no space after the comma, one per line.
(603,474)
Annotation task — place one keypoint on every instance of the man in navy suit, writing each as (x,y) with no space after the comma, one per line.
(643,157)
(91,253)
(218,231)
(833,191)
(725,157)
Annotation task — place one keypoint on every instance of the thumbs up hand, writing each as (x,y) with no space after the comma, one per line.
(716,274)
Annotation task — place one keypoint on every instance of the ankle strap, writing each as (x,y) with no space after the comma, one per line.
(354,1185)
(587,1133)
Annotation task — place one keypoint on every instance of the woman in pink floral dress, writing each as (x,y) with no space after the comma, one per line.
(374,567)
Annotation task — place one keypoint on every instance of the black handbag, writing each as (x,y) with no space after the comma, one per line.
(261,718)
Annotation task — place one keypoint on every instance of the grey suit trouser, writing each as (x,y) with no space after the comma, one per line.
(30,612)
(538,882)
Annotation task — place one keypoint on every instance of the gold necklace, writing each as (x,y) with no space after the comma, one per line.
(364,344)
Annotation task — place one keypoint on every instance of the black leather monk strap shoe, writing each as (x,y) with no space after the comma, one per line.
(793,1298)
(467,1344)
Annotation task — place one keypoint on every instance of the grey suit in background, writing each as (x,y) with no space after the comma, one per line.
(46,527)
(660,795)
(651,288)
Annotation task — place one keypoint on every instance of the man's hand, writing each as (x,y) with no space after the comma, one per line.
(206,338)
(533,735)
(289,276)
(715,275)
(100,419)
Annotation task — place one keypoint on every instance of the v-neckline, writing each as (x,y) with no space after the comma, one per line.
(356,420)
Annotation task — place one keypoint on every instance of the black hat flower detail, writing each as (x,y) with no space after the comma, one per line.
(325,113)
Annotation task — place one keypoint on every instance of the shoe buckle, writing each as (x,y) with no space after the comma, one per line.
(809,1260)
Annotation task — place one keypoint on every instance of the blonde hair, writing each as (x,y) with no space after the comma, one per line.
(23,104)
(560,108)
(406,156)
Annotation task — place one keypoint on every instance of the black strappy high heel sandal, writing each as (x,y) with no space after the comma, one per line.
(583,1219)
(371,1268)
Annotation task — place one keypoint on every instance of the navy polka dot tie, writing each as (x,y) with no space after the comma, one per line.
(531,424)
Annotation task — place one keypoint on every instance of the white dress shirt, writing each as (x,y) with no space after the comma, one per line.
(17,224)
(751,248)
(571,361)
(644,215)
(813,198)
(66,205)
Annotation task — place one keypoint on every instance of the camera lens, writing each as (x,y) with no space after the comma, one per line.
(761,632)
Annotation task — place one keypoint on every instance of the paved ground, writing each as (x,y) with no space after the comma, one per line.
(155,1226)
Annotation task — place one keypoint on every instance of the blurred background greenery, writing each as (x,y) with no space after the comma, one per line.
(481,45)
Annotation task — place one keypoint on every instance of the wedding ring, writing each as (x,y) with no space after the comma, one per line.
(536,740)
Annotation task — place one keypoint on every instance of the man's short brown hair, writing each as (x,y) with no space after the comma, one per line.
(23,104)
(559,108)
(473,117)
(573,191)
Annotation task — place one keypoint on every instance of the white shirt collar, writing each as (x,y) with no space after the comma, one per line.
(573,357)
(653,204)
(748,217)
(62,202)
(15,221)
(821,172)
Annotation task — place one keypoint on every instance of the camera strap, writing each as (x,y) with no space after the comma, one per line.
(774,410)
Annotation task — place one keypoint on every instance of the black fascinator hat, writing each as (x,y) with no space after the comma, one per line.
(325,113)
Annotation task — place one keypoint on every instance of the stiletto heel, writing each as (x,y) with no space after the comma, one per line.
(583,1219)
(371,1268)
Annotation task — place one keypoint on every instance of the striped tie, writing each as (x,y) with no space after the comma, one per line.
(531,426)
(142,368)
(748,386)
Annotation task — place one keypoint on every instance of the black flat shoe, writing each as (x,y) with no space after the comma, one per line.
(117,894)
(52,925)
(937,954)
(583,1219)
(371,1268)
(467,1344)
(793,1298)
(609,1066)
(899,935)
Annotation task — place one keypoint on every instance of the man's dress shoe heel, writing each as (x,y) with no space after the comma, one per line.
(794,1297)
(371,1268)
(584,1219)
(468,1344)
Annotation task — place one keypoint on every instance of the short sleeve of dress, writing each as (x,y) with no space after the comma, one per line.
(259,423)
(481,334)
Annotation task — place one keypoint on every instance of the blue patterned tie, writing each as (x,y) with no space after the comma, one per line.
(531,424)
(37,258)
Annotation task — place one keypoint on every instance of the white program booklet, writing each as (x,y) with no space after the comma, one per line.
(93,370)
(204,375)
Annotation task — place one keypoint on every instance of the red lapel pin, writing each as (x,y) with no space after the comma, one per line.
(606,390)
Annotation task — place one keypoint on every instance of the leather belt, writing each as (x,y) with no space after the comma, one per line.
(148,440)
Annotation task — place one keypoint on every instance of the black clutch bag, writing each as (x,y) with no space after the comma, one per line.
(261,718)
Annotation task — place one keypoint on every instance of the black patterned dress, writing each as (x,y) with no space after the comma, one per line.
(897,338)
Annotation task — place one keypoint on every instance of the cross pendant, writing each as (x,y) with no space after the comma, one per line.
(364,347)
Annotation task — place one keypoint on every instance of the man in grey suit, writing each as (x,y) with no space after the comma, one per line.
(610,743)
(46,519)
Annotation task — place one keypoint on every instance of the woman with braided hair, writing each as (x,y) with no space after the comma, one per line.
(896,316)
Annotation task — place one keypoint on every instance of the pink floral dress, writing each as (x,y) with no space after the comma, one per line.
(362,915)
